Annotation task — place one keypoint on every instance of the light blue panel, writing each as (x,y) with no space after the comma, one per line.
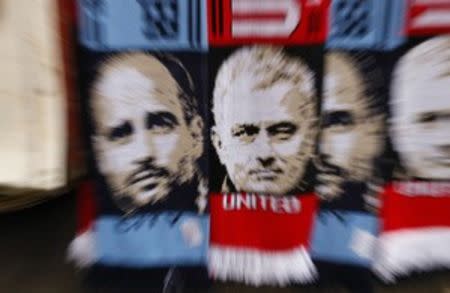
(344,237)
(152,240)
(396,34)
(91,19)
(204,26)
(355,24)
(366,24)
(107,25)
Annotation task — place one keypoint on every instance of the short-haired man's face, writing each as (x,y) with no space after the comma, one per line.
(422,120)
(261,136)
(350,138)
(143,144)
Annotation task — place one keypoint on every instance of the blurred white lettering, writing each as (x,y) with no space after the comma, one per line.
(258,18)
(250,201)
(423,188)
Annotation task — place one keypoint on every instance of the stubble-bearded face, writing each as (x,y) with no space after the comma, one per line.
(143,145)
(267,137)
(351,136)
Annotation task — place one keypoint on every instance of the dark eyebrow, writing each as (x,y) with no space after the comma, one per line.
(249,129)
(427,117)
(160,119)
(282,127)
(337,118)
(120,131)
(432,116)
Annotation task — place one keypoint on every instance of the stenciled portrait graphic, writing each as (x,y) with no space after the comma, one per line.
(264,120)
(352,133)
(148,131)
(420,109)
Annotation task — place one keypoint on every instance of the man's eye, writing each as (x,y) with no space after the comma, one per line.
(428,118)
(337,118)
(282,131)
(161,122)
(245,131)
(162,128)
(122,131)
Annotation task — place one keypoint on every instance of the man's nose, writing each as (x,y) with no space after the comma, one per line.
(326,145)
(264,150)
(143,148)
(324,157)
(267,161)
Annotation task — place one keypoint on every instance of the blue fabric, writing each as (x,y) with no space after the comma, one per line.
(336,237)
(356,24)
(150,240)
(107,25)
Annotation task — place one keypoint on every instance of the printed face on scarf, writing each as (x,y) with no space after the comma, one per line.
(264,111)
(350,132)
(421,110)
(143,143)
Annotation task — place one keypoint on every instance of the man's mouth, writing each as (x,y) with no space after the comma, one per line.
(442,161)
(147,182)
(330,169)
(146,177)
(266,174)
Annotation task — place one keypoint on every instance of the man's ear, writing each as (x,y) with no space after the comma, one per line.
(196,129)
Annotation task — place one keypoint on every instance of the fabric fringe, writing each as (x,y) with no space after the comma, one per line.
(257,267)
(81,250)
(405,251)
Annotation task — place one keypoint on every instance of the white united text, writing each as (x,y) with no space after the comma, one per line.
(250,201)
(436,189)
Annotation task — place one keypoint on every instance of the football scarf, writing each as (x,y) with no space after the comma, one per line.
(352,140)
(415,213)
(265,61)
(349,177)
(142,67)
(390,79)
(311,163)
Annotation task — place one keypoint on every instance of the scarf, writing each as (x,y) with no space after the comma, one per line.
(415,211)
(415,218)
(353,139)
(407,242)
(350,166)
(144,216)
(262,201)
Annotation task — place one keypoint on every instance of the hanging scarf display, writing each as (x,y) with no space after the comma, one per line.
(142,67)
(228,141)
(415,217)
(351,148)
(265,73)
(415,213)
(353,139)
